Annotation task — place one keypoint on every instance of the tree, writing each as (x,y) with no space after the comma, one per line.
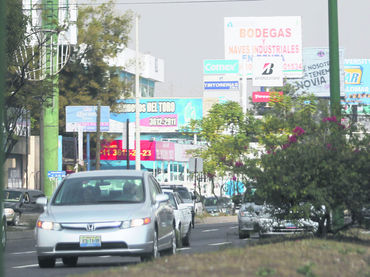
(22,97)
(88,76)
(315,165)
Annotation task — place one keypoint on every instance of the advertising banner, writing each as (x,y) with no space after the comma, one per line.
(316,74)
(267,72)
(262,96)
(158,115)
(112,150)
(222,85)
(181,154)
(248,37)
(357,81)
(84,117)
(165,151)
(220,66)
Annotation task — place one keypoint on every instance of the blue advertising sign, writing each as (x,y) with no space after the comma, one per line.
(85,117)
(225,85)
(158,114)
(357,81)
(55,174)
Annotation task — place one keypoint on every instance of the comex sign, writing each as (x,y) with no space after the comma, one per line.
(220,66)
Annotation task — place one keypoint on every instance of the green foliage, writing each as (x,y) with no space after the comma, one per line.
(265,271)
(88,77)
(306,270)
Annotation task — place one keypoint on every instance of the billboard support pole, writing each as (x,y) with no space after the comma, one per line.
(244,96)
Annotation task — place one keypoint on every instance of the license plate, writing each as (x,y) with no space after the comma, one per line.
(90,241)
(290,226)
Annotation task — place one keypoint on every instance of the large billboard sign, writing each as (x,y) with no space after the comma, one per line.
(84,118)
(357,81)
(316,73)
(158,115)
(247,37)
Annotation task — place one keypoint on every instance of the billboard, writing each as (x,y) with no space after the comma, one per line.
(157,115)
(263,96)
(357,81)
(247,37)
(316,74)
(85,117)
(112,150)
(220,66)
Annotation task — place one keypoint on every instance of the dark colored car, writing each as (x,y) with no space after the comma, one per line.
(19,201)
(215,206)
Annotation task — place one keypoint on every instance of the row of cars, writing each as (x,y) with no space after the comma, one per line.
(111,212)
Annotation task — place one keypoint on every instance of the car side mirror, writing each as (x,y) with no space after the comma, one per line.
(42,201)
(161,198)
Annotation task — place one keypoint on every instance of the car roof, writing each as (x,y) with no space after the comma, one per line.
(111,172)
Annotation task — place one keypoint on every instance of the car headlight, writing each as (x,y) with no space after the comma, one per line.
(245,213)
(135,222)
(8,211)
(48,225)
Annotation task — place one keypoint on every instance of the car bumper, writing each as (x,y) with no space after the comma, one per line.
(116,242)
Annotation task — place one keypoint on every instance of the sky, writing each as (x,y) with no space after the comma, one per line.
(184,34)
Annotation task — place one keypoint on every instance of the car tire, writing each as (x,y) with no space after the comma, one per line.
(186,239)
(179,237)
(70,261)
(46,262)
(155,252)
(4,235)
(16,219)
(243,234)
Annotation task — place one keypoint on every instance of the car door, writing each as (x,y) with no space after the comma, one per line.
(185,214)
(161,212)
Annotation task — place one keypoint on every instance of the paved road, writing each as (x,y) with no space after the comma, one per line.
(20,257)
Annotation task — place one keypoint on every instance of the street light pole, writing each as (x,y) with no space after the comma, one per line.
(137,106)
(334,58)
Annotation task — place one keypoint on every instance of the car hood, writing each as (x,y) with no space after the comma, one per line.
(95,213)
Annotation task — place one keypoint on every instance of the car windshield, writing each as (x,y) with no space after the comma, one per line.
(100,190)
(210,202)
(185,195)
(172,199)
(12,196)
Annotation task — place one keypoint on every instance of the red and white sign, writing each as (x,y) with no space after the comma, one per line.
(249,37)
(262,96)
(165,151)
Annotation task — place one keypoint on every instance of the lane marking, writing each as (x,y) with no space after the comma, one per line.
(184,248)
(210,230)
(22,253)
(220,243)
(234,227)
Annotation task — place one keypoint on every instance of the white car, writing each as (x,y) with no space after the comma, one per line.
(182,217)
(105,212)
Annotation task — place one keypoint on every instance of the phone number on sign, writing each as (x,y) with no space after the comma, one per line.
(166,121)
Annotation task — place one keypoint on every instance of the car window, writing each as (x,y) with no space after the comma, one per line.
(178,198)
(184,193)
(210,202)
(12,196)
(34,195)
(100,190)
(154,188)
(171,196)
(26,198)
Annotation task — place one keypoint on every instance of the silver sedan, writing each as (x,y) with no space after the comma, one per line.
(107,212)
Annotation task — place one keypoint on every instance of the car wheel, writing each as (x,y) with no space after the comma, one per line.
(243,235)
(70,261)
(45,262)
(16,219)
(179,237)
(186,239)
(3,233)
(155,253)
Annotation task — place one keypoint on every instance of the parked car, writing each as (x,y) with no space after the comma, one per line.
(182,217)
(214,206)
(19,201)
(256,217)
(185,196)
(105,212)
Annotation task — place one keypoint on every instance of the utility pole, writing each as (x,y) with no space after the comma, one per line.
(51,108)
(334,58)
(137,105)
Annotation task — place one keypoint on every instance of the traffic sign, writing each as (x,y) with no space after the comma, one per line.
(55,174)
